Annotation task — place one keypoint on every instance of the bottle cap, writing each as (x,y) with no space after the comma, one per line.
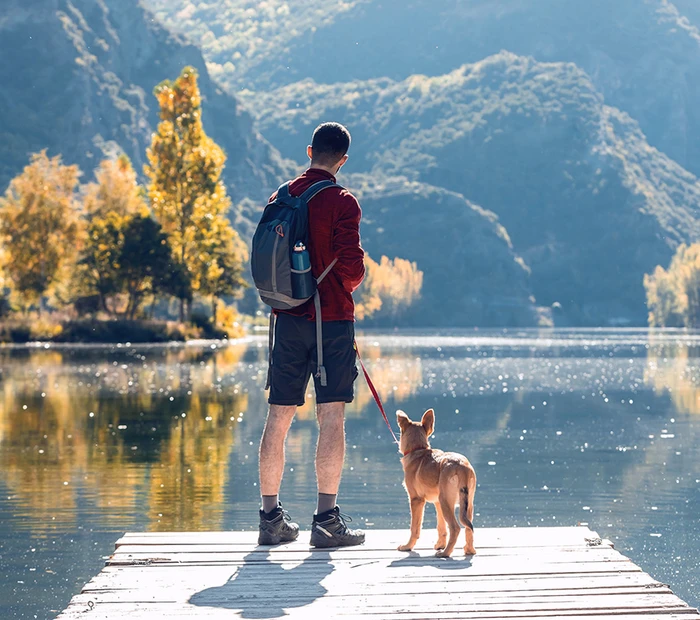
(299,246)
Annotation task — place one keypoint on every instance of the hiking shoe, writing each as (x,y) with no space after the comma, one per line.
(329,530)
(276,527)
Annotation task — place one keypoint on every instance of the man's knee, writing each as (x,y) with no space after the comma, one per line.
(330,413)
(282,412)
(279,418)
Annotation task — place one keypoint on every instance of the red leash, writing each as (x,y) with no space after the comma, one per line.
(375,394)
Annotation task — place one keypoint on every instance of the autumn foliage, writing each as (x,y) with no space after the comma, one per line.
(187,194)
(111,245)
(673,295)
(390,288)
(40,222)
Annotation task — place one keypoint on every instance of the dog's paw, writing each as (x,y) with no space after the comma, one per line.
(442,554)
(469,551)
(440,544)
(405,547)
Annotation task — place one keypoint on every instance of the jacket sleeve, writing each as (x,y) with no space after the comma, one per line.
(346,245)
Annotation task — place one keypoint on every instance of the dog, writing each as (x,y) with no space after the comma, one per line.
(442,478)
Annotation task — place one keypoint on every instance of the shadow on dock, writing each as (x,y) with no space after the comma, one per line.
(264,588)
(457,562)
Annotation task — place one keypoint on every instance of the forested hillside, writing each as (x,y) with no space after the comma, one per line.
(643,56)
(472,275)
(78,78)
(547,150)
(588,204)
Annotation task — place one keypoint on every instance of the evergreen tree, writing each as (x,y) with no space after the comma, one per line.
(41,227)
(145,262)
(187,194)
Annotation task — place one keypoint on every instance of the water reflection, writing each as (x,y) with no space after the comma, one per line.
(112,434)
(672,367)
(591,426)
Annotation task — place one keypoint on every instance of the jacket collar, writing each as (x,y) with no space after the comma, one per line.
(321,174)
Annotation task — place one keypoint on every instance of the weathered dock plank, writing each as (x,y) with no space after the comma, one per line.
(517,573)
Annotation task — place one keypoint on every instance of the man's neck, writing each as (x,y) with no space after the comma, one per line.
(327,169)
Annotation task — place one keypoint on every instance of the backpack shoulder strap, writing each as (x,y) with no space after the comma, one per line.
(317,187)
(283,194)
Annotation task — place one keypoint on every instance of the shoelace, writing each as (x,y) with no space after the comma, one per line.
(285,516)
(344,519)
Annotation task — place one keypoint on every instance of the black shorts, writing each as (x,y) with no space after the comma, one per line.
(294,360)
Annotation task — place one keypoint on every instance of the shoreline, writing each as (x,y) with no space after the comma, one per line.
(174,344)
(38,332)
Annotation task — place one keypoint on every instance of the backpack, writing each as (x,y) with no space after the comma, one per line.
(284,222)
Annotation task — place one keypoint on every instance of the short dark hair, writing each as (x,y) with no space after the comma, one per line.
(329,143)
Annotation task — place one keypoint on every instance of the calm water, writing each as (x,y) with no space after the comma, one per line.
(601,427)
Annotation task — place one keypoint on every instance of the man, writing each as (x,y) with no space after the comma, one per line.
(334,233)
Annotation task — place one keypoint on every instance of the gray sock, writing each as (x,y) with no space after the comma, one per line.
(326,502)
(269,502)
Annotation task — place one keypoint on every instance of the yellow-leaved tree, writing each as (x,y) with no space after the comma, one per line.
(110,202)
(127,256)
(673,295)
(116,191)
(40,224)
(389,289)
(187,194)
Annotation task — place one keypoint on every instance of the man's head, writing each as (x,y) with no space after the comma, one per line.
(329,146)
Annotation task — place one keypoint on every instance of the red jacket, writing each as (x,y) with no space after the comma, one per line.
(334,232)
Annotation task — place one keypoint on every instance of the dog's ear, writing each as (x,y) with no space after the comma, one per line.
(428,422)
(402,419)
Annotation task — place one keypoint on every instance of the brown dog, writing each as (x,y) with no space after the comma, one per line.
(443,478)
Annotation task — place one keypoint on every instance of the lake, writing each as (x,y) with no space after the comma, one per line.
(563,427)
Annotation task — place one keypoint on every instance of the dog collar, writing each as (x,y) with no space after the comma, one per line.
(414,450)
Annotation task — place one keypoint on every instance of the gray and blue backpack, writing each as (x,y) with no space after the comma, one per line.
(284,228)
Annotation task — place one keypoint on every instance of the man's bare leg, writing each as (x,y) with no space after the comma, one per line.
(275,524)
(328,528)
(279,419)
(330,453)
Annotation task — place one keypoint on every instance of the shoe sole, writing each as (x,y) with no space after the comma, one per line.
(327,544)
(275,540)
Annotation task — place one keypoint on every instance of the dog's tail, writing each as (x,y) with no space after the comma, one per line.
(464,508)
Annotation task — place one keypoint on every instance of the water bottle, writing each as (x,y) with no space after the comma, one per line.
(303,283)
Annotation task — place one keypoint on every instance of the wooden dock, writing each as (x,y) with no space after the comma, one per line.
(558,572)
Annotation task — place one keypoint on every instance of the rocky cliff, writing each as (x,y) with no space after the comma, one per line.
(643,56)
(78,77)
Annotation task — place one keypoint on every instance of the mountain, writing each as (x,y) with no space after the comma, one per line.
(78,79)
(544,151)
(460,247)
(587,202)
(643,56)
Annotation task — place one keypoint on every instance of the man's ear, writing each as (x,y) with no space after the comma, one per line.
(428,422)
(309,152)
(402,419)
(341,163)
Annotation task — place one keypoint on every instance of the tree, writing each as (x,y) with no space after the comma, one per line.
(187,194)
(41,226)
(389,289)
(222,264)
(673,295)
(110,204)
(116,190)
(145,263)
